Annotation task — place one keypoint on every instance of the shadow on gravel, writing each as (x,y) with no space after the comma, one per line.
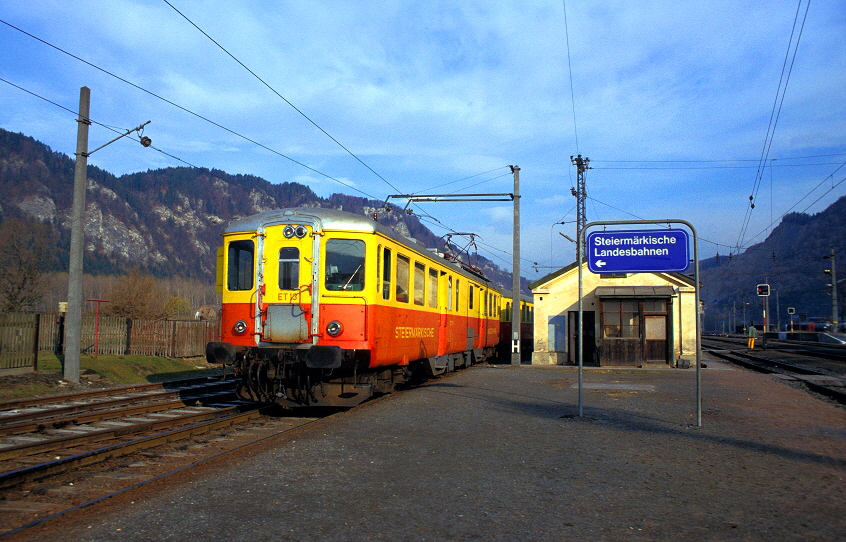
(618,420)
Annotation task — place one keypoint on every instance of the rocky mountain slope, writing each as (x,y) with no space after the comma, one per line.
(792,259)
(167,222)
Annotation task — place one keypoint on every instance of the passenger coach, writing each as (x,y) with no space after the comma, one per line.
(325,307)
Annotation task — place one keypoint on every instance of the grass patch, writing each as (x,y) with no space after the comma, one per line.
(138,369)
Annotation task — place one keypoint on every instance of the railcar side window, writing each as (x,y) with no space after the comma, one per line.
(457,294)
(386,275)
(419,283)
(471,296)
(239,272)
(449,293)
(403,265)
(433,287)
(344,265)
(289,268)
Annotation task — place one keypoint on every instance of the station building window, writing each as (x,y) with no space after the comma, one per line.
(620,319)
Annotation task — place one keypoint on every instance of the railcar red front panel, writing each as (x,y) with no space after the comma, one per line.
(230,315)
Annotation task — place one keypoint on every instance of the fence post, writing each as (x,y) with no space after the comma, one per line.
(128,349)
(172,339)
(35,342)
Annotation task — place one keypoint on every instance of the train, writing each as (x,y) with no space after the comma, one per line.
(322,307)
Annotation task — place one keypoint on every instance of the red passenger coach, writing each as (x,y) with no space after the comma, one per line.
(324,307)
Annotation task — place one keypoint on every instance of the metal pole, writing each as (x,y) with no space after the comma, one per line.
(73,321)
(580,336)
(834,311)
(698,323)
(580,192)
(515,284)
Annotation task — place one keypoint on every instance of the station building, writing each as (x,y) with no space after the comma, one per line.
(630,319)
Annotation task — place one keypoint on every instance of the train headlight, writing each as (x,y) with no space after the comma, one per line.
(288,232)
(240,327)
(334,328)
(301,231)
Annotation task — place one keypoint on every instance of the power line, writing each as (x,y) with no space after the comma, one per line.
(231,131)
(669,168)
(781,92)
(254,74)
(170,102)
(419,192)
(233,57)
(93,121)
(570,71)
(716,161)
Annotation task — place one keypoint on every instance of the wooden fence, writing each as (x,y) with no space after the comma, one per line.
(18,344)
(22,335)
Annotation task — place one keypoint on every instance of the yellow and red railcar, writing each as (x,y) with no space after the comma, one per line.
(325,307)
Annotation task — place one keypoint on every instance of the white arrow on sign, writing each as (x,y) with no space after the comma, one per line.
(600,263)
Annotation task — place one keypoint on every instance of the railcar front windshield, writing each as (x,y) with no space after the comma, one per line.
(240,269)
(344,267)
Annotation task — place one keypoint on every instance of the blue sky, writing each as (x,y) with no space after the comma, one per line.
(671,102)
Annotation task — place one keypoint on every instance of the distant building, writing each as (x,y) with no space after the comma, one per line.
(634,319)
(207,312)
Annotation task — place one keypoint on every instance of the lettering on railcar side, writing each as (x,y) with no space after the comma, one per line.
(408,332)
(288,297)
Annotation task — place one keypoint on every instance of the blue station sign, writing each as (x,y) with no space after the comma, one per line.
(633,251)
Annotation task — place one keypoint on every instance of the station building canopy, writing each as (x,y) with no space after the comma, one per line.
(639,292)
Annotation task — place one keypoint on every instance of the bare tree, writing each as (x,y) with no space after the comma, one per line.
(24,256)
(141,296)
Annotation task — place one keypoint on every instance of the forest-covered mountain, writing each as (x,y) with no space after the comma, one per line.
(792,260)
(168,221)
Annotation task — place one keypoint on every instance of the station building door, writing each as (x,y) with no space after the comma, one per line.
(589,330)
(635,331)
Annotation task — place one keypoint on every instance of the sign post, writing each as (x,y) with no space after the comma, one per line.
(643,251)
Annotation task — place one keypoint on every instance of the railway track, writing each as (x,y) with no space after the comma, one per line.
(810,367)
(61,453)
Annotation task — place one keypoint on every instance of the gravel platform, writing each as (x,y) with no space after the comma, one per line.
(499,453)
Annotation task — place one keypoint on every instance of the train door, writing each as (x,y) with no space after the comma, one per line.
(472,317)
(285,283)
